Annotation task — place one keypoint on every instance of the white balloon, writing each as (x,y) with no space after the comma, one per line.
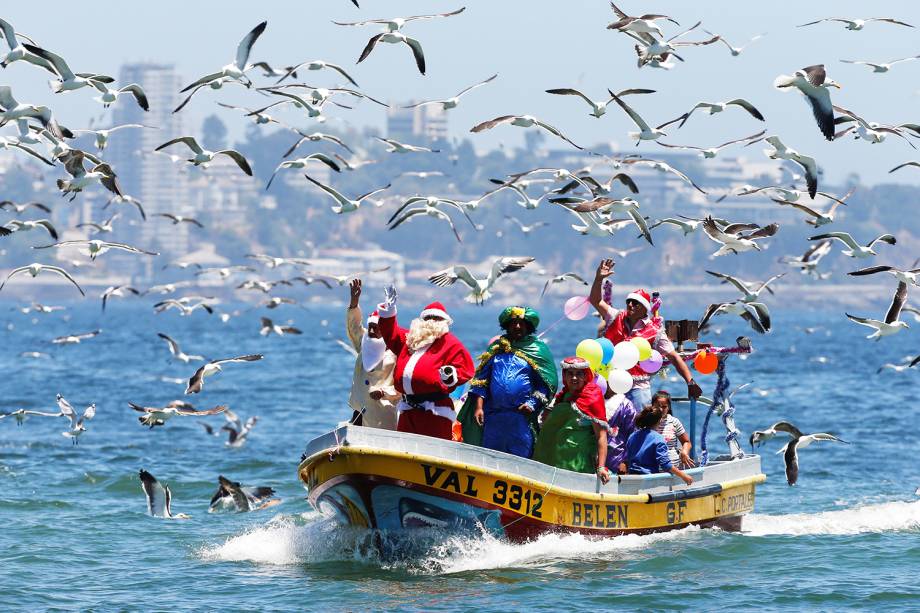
(625,355)
(620,381)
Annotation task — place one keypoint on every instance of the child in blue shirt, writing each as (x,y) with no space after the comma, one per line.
(646,449)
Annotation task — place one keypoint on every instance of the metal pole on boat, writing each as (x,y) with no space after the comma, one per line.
(693,442)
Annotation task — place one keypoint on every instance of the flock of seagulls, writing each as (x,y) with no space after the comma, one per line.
(594,200)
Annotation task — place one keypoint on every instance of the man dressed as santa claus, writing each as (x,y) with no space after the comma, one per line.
(430,363)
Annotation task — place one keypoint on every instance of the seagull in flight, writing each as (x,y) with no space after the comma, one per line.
(393,35)
(159,498)
(394,146)
(525,229)
(598,107)
(291,71)
(96,247)
(235,70)
(430,208)
(564,277)
(302,163)
(808,261)
(736,51)
(480,289)
(665,167)
(100,173)
(196,381)
(110,96)
(607,207)
(230,494)
(343,204)
(755,313)
(76,424)
(237,431)
(808,164)
(881,67)
(75,339)
(855,249)
(67,80)
(711,152)
(19,209)
(117,291)
(717,107)
(203,156)
(643,24)
(646,132)
(23,414)
(11,110)
(813,83)
(177,352)
(759,437)
(892,323)
(18,225)
(451,103)
(269,327)
(790,451)
(736,242)
(820,219)
(154,416)
(17,51)
(35,268)
(522,121)
(856,25)
(749,292)
(911,276)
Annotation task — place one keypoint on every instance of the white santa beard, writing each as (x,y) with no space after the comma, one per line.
(372,350)
(423,332)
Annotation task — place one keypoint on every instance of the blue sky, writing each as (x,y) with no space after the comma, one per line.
(533,46)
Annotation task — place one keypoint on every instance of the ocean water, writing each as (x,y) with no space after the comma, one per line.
(76,535)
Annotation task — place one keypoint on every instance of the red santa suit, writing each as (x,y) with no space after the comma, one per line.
(426,407)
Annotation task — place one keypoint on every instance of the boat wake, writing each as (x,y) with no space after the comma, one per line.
(310,538)
(882,517)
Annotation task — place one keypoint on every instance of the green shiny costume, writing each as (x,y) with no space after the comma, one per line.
(567,440)
(530,348)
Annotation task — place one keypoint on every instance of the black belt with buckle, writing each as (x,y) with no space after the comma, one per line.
(416,401)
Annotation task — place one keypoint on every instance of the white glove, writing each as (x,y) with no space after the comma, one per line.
(448,375)
(390,296)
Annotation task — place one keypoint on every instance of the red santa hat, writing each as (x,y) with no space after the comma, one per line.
(436,309)
(642,297)
(373,318)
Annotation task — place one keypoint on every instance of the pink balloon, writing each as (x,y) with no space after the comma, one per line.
(576,307)
(653,364)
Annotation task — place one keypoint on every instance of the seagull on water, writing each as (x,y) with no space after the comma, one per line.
(35,268)
(856,25)
(75,339)
(158,498)
(177,352)
(480,289)
(813,83)
(451,103)
(791,454)
(76,424)
(203,156)
(344,205)
(759,437)
(855,249)
(155,416)
(196,381)
(892,323)
(232,495)
(522,121)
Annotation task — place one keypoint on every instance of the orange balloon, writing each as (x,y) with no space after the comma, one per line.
(705,363)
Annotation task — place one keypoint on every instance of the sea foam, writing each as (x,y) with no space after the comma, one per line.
(882,517)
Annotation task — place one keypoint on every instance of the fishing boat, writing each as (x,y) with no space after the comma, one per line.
(395,481)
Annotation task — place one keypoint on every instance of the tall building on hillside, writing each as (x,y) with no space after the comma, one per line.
(160,184)
(428,122)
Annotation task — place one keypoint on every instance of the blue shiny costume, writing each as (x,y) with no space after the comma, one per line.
(511,383)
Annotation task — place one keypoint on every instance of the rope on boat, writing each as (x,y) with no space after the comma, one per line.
(548,488)
(721,405)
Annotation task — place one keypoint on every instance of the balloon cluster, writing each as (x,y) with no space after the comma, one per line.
(611,363)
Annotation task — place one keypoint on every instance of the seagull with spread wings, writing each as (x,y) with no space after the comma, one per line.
(711,152)
(117,291)
(19,209)
(393,35)
(563,278)
(11,110)
(524,228)
(855,249)
(813,83)
(75,339)
(881,67)
(81,178)
(892,323)
(96,247)
(750,291)
(664,167)
(856,25)
(480,289)
(790,451)
(232,495)
(159,498)
(177,352)
(196,381)
(343,204)
(291,71)
(598,107)
(781,152)
(302,163)
(736,242)
(642,24)
(76,424)
(35,268)
(430,208)
(911,277)
(203,156)
(235,70)
(24,225)
(755,313)
(67,80)
(522,121)
(759,437)
(158,416)
(451,103)
(717,107)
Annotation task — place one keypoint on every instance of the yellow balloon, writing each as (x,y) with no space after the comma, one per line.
(645,349)
(590,350)
(603,370)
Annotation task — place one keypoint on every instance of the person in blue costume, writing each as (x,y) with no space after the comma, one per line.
(515,380)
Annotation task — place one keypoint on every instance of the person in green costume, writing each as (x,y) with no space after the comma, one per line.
(574,436)
(515,380)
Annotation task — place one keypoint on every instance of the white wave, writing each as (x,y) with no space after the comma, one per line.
(884,517)
(283,540)
(487,552)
